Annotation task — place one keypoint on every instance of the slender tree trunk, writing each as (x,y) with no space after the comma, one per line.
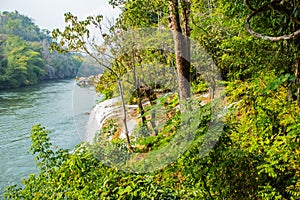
(140,105)
(297,72)
(137,86)
(124,116)
(140,90)
(182,46)
(298,78)
(152,97)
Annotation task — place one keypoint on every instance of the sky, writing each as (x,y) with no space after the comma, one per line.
(49,14)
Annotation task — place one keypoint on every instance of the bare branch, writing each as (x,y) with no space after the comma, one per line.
(99,62)
(249,6)
(265,8)
(195,24)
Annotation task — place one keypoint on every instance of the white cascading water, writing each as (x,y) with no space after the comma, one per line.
(100,114)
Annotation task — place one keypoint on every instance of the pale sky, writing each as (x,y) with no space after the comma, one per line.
(49,14)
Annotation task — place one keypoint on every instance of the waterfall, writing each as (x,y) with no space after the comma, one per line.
(100,114)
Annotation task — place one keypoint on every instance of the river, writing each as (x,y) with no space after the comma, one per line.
(50,104)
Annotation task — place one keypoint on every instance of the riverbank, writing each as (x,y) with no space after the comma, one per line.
(39,84)
(112,109)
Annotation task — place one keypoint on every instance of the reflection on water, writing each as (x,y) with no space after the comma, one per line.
(49,104)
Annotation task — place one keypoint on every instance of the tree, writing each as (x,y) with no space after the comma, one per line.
(25,58)
(181,34)
(20,25)
(179,13)
(138,16)
(23,63)
(260,78)
(76,38)
(289,11)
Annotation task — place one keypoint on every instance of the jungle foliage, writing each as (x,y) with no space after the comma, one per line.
(257,156)
(24,55)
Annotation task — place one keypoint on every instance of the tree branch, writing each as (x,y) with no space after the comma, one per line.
(249,6)
(265,8)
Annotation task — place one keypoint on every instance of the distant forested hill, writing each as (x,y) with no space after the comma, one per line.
(24,55)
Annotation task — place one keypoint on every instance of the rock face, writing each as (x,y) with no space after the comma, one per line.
(88,81)
(83,82)
(50,72)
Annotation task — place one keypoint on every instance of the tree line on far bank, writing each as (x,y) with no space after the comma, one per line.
(24,55)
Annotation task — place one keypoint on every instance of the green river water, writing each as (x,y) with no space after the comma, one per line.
(55,105)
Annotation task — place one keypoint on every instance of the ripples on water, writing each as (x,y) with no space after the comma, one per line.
(49,104)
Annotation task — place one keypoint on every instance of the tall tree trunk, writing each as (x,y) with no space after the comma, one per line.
(182,46)
(124,116)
